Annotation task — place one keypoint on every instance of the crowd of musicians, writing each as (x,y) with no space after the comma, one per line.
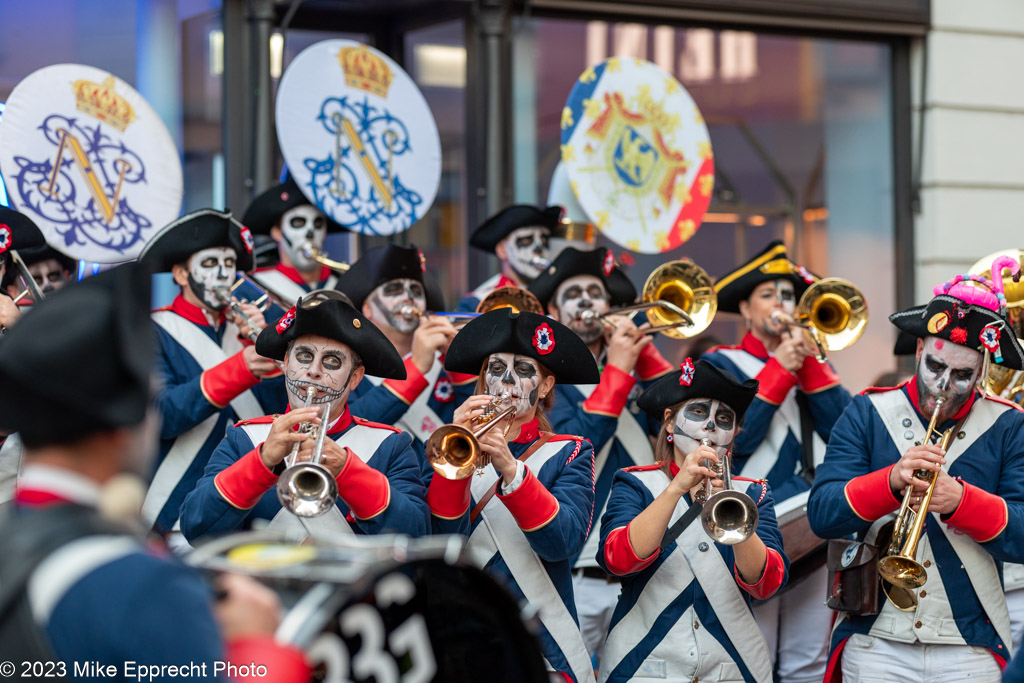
(633,502)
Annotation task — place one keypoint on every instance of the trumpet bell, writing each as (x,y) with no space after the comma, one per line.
(836,309)
(729,517)
(902,572)
(454,452)
(307,489)
(686,285)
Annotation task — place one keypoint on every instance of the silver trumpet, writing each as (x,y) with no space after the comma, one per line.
(308,489)
(226,295)
(729,516)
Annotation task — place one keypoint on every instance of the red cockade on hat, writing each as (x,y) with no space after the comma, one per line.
(423,260)
(989,337)
(805,274)
(609,263)
(687,370)
(5,237)
(544,339)
(246,238)
(286,320)
(444,392)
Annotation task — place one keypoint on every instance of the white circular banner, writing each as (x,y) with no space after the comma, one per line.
(358,137)
(638,154)
(85,157)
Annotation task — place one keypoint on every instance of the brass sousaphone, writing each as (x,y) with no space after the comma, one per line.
(1000,380)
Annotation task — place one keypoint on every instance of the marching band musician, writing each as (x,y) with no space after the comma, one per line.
(518,235)
(684,613)
(528,515)
(295,224)
(50,269)
(208,377)
(798,400)
(80,588)
(959,627)
(579,281)
(326,346)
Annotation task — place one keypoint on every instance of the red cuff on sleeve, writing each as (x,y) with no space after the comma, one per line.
(774,382)
(460,378)
(531,504)
(365,490)
(619,555)
(409,388)
(227,379)
(284,663)
(609,397)
(980,514)
(771,578)
(245,481)
(449,498)
(870,496)
(814,376)
(651,364)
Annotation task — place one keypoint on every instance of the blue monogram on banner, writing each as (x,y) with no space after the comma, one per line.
(80,186)
(358,183)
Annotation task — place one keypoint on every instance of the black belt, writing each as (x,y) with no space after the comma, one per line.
(597,573)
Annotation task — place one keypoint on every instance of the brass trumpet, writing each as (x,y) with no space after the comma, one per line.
(311,252)
(453,450)
(729,516)
(834,313)
(510,297)
(226,295)
(308,489)
(898,567)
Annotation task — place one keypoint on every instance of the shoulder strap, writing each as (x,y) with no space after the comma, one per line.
(806,438)
(482,503)
(673,532)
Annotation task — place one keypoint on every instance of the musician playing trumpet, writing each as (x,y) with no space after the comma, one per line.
(327,348)
(684,612)
(955,625)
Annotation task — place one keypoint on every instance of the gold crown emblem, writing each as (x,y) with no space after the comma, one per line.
(100,100)
(365,70)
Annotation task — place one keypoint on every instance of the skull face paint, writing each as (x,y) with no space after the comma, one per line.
(522,246)
(948,370)
(300,225)
(49,275)
(578,294)
(387,300)
(518,375)
(768,297)
(704,418)
(209,270)
(321,363)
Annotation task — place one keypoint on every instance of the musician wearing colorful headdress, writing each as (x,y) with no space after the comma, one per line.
(684,612)
(577,288)
(787,426)
(209,373)
(528,513)
(299,228)
(518,235)
(947,614)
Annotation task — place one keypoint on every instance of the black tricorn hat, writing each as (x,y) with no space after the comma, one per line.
(337,320)
(597,262)
(267,208)
(953,319)
(383,264)
(547,341)
(769,265)
(18,232)
(698,380)
(906,344)
(86,353)
(195,231)
(500,225)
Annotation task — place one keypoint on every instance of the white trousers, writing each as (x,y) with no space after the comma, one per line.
(595,602)
(797,625)
(867,659)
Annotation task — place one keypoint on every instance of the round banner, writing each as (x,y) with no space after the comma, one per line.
(358,137)
(85,157)
(638,154)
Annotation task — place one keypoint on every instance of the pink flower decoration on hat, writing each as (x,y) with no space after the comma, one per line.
(687,371)
(544,339)
(286,320)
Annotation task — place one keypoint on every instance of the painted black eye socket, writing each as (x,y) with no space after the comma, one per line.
(725,420)
(963,375)
(332,362)
(416,290)
(496,367)
(525,370)
(595,292)
(394,288)
(297,221)
(574,292)
(934,366)
(524,241)
(319,222)
(208,262)
(786,295)
(304,357)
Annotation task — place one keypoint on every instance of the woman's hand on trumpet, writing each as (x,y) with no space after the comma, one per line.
(283,435)
(493,444)
(624,344)
(693,471)
(471,408)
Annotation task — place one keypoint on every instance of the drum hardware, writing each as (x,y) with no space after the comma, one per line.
(454,451)
(833,312)
(308,489)
(898,567)
(729,516)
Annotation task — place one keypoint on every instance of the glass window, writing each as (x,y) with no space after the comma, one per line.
(802,137)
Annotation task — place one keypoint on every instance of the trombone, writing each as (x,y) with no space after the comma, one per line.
(454,451)
(226,295)
(308,489)
(503,297)
(898,567)
(310,251)
(834,313)
(729,516)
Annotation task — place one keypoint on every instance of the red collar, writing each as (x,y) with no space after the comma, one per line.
(529,432)
(754,347)
(38,498)
(673,468)
(341,425)
(295,276)
(911,389)
(191,312)
(505,281)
